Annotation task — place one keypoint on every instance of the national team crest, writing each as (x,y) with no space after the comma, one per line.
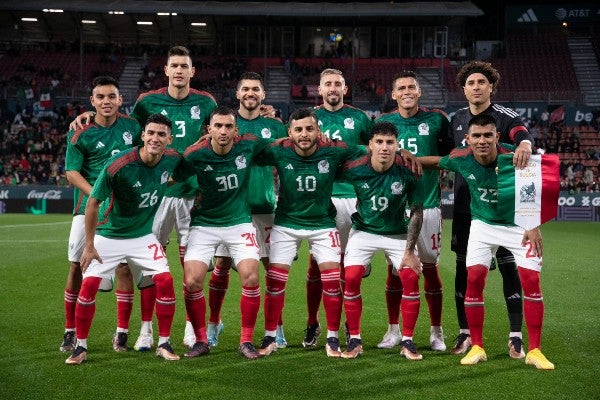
(240,162)
(266,133)
(195,112)
(423,129)
(164,178)
(127,138)
(397,188)
(349,123)
(323,167)
(528,193)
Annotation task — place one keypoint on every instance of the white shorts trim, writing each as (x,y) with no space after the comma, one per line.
(240,241)
(76,238)
(324,244)
(363,245)
(484,240)
(263,223)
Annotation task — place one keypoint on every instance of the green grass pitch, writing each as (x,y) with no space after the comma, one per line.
(33,269)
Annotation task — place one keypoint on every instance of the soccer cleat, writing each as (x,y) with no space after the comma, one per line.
(267,346)
(332,347)
(120,342)
(367,270)
(474,355)
(78,356)
(515,347)
(189,337)
(144,342)
(197,350)
(213,331)
(354,349)
(408,349)
(535,357)
(248,350)
(312,334)
(69,342)
(461,343)
(166,351)
(390,340)
(436,339)
(280,338)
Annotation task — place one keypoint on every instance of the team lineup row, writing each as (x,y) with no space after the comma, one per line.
(340,217)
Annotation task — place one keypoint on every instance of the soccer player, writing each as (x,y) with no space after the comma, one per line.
(221,216)
(479,81)
(250,92)
(352,126)
(422,132)
(306,168)
(88,149)
(477,163)
(384,188)
(126,195)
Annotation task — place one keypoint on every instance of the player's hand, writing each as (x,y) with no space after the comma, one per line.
(324,138)
(522,155)
(89,254)
(412,261)
(534,236)
(268,111)
(82,119)
(411,162)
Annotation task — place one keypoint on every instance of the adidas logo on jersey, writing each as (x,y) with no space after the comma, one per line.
(365,186)
(99,145)
(137,184)
(289,166)
(471,177)
(164,112)
(459,128)
(208,168)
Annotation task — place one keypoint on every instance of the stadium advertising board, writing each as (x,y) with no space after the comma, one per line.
(549,14)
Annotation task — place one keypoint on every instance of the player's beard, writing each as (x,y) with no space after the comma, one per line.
(333,101)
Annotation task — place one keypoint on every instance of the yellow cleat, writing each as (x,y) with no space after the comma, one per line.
(474,355)
(535,357)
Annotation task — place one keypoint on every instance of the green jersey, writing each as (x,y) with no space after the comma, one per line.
(130,192)
(188,116)
(89,148)
(382,197)
(223,181)
(305,183)
(261,196)
(421,134)
(350,125)
(482,181)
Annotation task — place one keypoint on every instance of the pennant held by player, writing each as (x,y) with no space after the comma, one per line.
(529,196)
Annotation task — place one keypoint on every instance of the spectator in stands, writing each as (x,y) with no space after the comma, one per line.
(588,176)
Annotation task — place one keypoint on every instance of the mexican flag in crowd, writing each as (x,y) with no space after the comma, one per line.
(528,196)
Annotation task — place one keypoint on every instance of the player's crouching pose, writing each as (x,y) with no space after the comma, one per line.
(477,163)
(130,188)
(383,188)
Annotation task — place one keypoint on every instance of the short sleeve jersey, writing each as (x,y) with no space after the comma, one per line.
(89,148)
(422,134)
(382,196)
(261,196)
(223,181)
(188,116)
(511,128)
(350,125)
(306,183)
(482,181)
(130,192)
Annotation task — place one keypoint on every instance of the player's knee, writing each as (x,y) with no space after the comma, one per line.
(409,279)
(89,288)
(476,276)
(530,281)
(353,276)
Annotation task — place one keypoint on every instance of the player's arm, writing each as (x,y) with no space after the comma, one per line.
(430,162)
(534,236)
(91,220)
(410,259)
(85,118)
(76,179)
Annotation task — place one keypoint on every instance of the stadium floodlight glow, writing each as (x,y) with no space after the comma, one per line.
(198,23)
(165,13)
(52,10)
(88,21)
(116,12)
(28,19)
(144,22)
